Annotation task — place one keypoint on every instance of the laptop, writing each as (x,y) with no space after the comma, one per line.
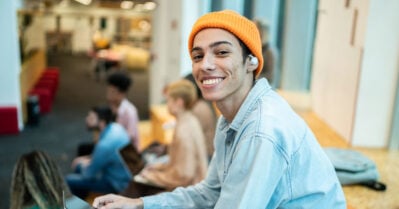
(134,162)
(131,159)
(74,202)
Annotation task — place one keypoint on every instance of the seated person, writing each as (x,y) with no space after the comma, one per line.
(206,115)
(188,162)
(104,170)
(37,183)
(118,85)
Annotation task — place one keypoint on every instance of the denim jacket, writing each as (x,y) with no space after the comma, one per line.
(267,157)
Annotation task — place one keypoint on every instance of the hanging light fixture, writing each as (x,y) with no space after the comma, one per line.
(84,2)
(127,4)
(150,5)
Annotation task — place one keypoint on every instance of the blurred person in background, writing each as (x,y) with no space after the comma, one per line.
(187,164)
(118,84)
(103,171)
(206,115)
(37,183)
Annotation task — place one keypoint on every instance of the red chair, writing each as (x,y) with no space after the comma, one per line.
(9,120)
(48,84)
(50,76)
(52,70)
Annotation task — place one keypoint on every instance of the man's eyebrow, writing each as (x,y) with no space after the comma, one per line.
(219,43)
(212,45)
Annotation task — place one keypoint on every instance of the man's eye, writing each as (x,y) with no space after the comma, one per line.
(222,52)
(197,57)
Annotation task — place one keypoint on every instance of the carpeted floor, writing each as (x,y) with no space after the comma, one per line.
(61,130)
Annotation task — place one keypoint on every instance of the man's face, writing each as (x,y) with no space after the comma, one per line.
(173,105)
(218,66)
(113,95)
(92,122)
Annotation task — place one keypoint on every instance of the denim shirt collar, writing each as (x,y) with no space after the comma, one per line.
(260,88)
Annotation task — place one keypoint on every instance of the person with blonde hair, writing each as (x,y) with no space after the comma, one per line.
(188,162)
(206,115)
(37,183)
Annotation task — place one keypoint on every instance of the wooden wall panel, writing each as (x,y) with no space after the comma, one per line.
(337,63)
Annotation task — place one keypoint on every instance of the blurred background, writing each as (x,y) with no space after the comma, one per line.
(335,61)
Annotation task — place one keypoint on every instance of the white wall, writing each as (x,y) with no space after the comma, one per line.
(172,22)
(378,80)
(165,48)
(394,136)
(9,56)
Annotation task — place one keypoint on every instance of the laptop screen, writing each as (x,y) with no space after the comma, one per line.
(74,202)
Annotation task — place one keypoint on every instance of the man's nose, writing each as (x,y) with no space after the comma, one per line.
(208,62)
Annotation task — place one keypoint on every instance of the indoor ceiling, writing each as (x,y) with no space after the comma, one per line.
(114,4)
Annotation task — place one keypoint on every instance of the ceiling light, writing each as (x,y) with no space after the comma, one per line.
(85,2)
(150,5)
(127,4)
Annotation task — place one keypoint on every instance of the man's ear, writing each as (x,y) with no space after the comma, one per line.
(253,63)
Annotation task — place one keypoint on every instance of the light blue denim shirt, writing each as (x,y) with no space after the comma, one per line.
(266,158)
(106,161)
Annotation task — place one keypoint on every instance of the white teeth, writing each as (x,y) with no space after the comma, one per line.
(212,81)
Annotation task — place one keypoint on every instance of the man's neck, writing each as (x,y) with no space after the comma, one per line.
(229,107)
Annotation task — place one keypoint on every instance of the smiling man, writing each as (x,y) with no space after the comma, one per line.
(265,154)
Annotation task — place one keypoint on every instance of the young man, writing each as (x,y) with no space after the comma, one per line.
(126,112)
(104,170)
(265,155)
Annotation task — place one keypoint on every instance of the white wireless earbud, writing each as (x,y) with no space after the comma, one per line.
(253,60)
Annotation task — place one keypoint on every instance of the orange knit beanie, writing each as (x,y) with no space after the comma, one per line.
(243,28)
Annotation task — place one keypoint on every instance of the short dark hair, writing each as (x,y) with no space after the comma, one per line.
(104,113)
(245,50)
(120,80)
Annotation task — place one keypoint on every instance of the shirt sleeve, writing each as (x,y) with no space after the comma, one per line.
(99,160)
(129,120)
(243,186)
(203,195)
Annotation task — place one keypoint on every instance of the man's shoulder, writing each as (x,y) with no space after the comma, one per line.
(116,130)
(126,104)
(127,108)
